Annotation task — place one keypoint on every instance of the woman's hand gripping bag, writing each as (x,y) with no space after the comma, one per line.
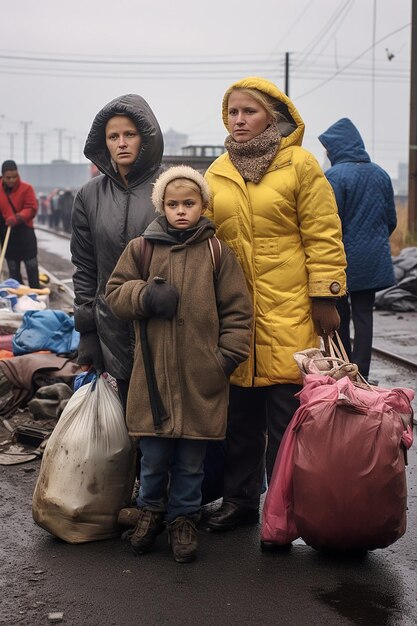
(349,483)
(88,468)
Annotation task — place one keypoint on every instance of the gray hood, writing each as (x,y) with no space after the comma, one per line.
(152,146)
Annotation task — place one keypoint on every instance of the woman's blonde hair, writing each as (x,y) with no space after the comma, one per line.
(268,103)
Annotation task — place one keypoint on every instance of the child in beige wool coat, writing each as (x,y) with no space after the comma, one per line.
(192,320)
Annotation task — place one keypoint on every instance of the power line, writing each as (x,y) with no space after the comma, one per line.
(86,61)
(347,10)
(320,70)
(306,93)
(293,25)
(317,38)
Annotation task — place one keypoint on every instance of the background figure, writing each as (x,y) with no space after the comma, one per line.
(125,143)
(43,209)
(365,200)
(18,207)
(51,207)
(65,202)
(55,210)
(274,207)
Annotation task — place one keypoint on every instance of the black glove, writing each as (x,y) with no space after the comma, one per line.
(160,299)
(89,351)
(325,317)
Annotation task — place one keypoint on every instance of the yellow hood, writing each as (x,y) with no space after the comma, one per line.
(293,131)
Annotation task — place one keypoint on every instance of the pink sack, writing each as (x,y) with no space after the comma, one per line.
(339,478)
(278,523)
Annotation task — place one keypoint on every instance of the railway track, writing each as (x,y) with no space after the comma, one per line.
(395,358)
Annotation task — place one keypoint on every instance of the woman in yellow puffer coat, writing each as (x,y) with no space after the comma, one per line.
(274,207)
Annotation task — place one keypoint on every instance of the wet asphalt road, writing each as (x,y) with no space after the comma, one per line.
(232,582)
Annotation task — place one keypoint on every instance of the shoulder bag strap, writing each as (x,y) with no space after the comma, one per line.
(145,256)
(11,203)
(216,253)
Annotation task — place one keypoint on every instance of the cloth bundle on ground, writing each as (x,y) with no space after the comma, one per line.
(50,401)
(403,295)
(339,478)
(21,376)
(88,470)
(51,330)
(20,298)
(10,322)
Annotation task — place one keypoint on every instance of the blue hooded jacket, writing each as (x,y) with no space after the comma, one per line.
(365,201)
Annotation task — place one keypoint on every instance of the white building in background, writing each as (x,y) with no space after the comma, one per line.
(174,142)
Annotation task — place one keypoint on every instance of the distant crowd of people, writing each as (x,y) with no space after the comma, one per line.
(55,209)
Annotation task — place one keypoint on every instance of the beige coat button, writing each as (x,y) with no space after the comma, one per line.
(335,288)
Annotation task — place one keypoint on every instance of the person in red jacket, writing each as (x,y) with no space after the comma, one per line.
(18,207)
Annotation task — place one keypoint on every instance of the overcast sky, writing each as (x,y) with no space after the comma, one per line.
(181,55)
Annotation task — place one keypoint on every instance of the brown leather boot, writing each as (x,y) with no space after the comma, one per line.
(149,525)
(182,536)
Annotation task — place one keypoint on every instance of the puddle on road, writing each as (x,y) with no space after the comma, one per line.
(363,604)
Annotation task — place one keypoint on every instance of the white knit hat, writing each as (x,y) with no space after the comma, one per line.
(173,173)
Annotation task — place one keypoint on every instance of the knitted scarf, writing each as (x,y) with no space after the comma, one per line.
(252,158)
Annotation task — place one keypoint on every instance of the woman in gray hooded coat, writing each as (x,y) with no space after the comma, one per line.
(126,144)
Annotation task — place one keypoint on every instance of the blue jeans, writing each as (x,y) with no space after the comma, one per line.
(179,461)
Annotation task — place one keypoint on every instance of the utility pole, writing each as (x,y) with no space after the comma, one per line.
(287,74)
(70,140)
(11,149)
(25,140)
(41,146)
(60,132)
(80,150)
(412,161)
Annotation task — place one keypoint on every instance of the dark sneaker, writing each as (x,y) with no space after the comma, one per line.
(149,525)
(182,536)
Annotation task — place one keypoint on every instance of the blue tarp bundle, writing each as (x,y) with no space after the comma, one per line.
(46,330)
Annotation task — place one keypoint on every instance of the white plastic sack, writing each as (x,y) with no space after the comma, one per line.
(88,469)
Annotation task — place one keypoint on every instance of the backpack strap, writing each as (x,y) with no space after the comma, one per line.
(216,254)
(145,256)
